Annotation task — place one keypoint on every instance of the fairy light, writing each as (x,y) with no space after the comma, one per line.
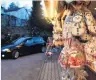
(44,9)
(51,8)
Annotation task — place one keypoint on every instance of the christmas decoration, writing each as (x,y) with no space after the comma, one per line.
(73,25)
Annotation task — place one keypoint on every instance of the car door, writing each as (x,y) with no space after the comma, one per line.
(29,46)
(38,44)
(24,49)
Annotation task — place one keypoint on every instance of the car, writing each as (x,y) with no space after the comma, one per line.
(23,46)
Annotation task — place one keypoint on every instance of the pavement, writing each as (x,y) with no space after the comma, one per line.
(23,68)
(35,67)
(51,69)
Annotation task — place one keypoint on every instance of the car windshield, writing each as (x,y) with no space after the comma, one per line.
(18,41)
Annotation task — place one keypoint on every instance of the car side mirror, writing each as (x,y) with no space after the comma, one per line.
(20,45)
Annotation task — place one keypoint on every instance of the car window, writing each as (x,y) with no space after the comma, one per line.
(34,40)
(20,40)
(38,40)
(29,42)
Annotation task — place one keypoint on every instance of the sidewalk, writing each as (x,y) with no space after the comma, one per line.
(50,69)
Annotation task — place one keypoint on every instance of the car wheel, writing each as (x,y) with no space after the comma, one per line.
(15,54)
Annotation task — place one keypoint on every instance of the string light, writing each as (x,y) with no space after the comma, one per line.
(44,9)
(49,9)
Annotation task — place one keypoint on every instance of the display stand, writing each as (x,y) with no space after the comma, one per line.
(78,35)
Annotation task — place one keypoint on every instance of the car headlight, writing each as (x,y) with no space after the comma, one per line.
(6,50)
(3,55)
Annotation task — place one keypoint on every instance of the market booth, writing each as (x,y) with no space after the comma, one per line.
(74,27)
(91,69)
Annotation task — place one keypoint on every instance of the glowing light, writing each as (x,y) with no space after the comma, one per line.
(44,9)
(3,55)
(49,9)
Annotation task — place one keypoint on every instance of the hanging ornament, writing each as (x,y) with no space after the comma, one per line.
(73,57)
(90,50)
(91,22)
(78,25)
(76,59)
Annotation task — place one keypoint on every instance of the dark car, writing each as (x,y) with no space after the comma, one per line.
(23,46)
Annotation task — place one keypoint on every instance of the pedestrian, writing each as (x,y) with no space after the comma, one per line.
(49,47)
